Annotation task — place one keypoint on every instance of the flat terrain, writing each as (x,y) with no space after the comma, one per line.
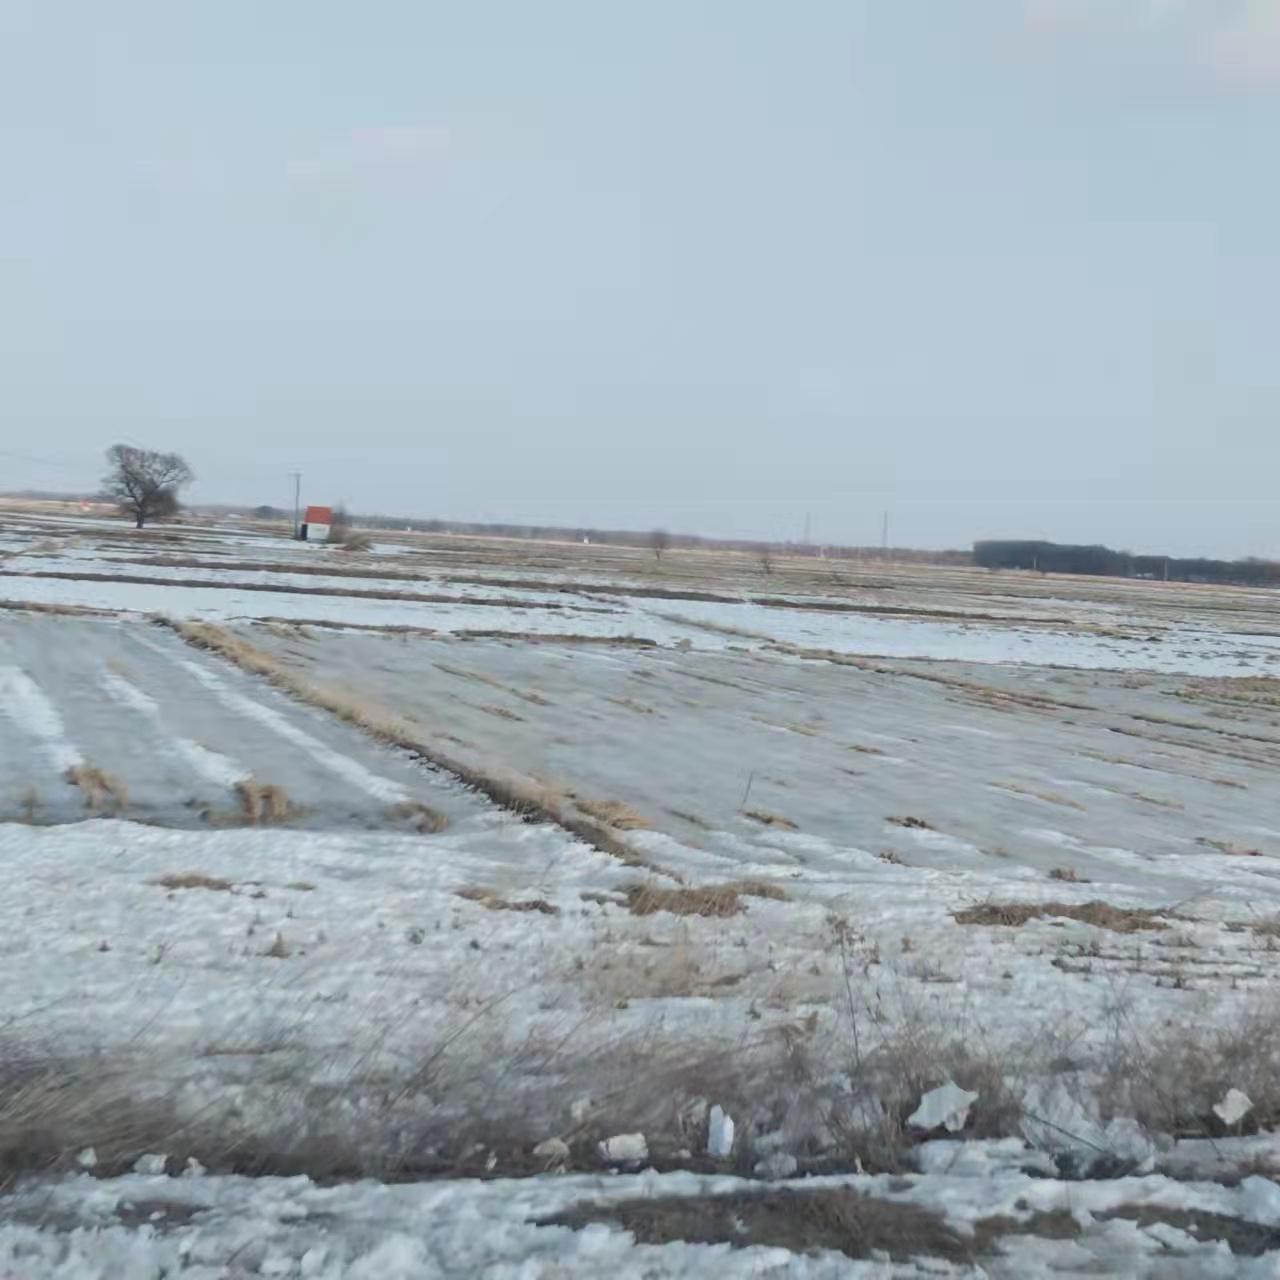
(423,855)
(180,732)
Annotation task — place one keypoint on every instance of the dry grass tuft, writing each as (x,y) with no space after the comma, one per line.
(762,889)
(480,677)
(422,817)
(494,901)
(194,880)
(631,705)
(1068,874)
(1049,797)
(911,824)
(1170,1076)
(1100,914)
(615,812)
(503,713)
(48,1113)
(29,805)
(59,610)
(103,792)
(351,540)
(713,901)
(768,819)
(262,801)
(1227,847)
(691,818)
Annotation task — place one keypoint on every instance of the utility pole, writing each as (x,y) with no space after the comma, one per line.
(297,500)
(884,537)
(807,527)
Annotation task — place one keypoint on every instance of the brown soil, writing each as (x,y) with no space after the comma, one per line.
(839,1219)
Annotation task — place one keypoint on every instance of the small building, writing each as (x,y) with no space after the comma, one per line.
(316,524)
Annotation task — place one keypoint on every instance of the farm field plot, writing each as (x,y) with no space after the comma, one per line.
(473,587)
(530,879)
(1003,771)
(104,717)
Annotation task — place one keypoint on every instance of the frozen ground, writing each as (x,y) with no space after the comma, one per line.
(179,731)
(341,988)
(1015,771)
(453,586)
(220,1227)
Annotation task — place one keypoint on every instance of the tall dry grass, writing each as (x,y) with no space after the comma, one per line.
(103,792)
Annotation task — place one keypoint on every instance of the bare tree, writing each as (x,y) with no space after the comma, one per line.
(339,524)
(659,540)
(343,533)
(145,483)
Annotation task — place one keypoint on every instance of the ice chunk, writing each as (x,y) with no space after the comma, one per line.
(946,1107)
(719,1134)
(1233,1108)
(625,1148)
(553,1151)
(1260,1200)
(150,1164)
(1055,1120)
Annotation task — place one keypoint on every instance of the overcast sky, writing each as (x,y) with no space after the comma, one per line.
(997,267)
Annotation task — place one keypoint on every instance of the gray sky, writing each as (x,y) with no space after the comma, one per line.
(999,267)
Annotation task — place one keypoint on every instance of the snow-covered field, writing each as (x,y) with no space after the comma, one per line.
(981,929)
(1226,632)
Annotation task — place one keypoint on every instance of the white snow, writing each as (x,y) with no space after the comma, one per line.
(216,1228)
(719,1134)
(247,973)
(1233,1108)
(214,766)
(22,700)
(625,1148)
(946,1107)
(343,766)
(1060,640)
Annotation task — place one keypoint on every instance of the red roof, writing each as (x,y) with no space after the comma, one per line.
(318,515)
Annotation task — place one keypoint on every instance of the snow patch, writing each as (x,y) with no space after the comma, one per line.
(719,1134)
(625,1148)
(213,766)
(344,767)
(24,703)
(946,1107)
(1233,1108)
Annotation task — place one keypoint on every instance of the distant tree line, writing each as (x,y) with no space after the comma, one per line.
(660,541)
(1103,562)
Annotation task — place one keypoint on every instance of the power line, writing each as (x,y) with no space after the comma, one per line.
(44,462)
